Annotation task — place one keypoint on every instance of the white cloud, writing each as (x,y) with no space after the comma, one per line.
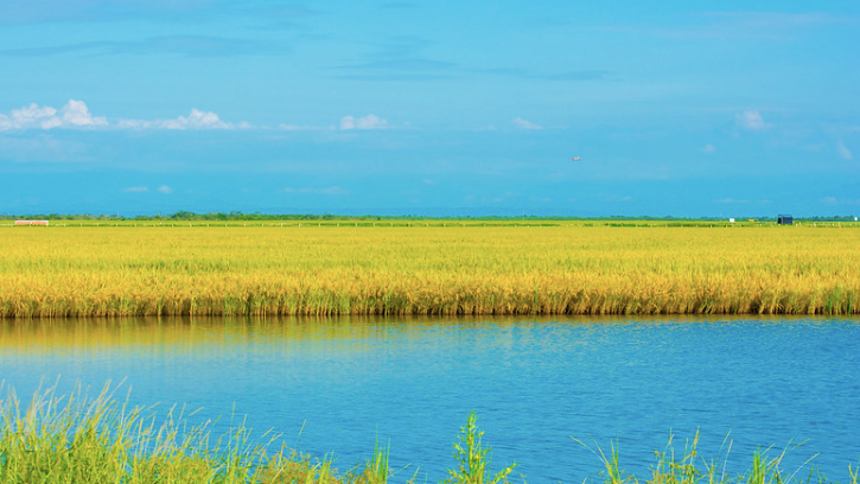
(526,124)
(751,120)
(731,201)
(32,116)
(292,127)
(74,114)
(136,189)
(845,202)
(743,201)
(371,121)
(196,119)
(843,151)
(709,148)
(302,127)
(164,189)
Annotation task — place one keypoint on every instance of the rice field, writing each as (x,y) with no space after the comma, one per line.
(437,267)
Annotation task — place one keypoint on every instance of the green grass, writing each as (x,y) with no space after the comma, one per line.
(78,440)
(73,439)
(685,465)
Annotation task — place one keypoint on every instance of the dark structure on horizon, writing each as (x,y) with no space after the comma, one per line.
(784,219)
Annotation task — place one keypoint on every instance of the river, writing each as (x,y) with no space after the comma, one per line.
(338,386)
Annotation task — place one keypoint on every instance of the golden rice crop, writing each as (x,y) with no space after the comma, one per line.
(433,270)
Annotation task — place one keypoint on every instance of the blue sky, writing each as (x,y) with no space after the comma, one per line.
(684,108)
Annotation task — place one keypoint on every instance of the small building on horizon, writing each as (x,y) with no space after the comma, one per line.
(784,220)
(31,222)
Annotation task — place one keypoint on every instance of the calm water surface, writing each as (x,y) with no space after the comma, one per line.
(337,386)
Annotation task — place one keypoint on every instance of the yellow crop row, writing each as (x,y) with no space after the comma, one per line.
(565,269)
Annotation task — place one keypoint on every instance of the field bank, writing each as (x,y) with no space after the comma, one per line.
(487,269)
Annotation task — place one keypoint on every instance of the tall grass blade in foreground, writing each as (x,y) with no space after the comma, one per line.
(377,469)
(688,467)
(473,459)
(75,439)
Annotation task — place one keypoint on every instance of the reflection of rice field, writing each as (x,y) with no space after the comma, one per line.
(559,268)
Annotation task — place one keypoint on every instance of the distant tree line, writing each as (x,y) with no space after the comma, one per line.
(225,216)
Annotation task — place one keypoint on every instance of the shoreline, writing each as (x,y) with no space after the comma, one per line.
(26,310)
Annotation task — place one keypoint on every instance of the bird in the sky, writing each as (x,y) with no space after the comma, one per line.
(576,158)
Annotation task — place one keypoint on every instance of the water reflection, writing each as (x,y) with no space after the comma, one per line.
(213,334)
(206,336)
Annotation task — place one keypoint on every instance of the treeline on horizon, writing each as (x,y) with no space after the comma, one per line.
(235,215)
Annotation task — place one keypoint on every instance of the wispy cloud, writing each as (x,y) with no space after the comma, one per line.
(740,201)
(370,121)
(330,190)
(739,24)
(843,151)
(396,5)
(410,64)
(777,20)
(399,57)
(709,148)
(196,119)
(519,73)
(163,189)
(731,201)
(751,120)
(419,69)
(39,11)
(75,114)
(303,127)
(406,58)
(522,123)
(181,45)
(346,123)
(833,200)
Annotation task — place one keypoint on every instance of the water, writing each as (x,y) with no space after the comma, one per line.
(338,386)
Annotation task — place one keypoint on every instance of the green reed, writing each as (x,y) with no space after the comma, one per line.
(687,466)
(75,439)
